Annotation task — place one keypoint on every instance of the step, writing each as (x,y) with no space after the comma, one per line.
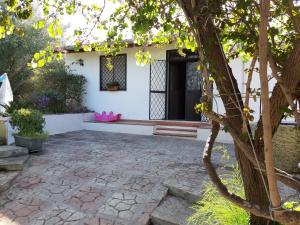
(187,184)
(183,123)
(176,128)
(172,211)
(6,179)
(176,134)
(13,163)
(12,151)
(175,131)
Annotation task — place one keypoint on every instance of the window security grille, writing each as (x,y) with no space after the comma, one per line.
(118,73)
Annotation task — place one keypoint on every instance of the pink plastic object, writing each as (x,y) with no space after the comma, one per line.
(103,117)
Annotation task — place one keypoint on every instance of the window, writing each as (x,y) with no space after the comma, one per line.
(116,75)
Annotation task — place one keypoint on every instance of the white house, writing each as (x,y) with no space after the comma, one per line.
(163,93)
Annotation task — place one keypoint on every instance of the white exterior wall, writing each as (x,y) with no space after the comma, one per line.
(55,124)
(134,102)
(62,123)
(238,68)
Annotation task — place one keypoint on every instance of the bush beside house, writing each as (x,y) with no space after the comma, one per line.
(51,88)
(57,90)
(54,90)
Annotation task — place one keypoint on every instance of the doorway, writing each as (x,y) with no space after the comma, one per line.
(176,91)
(184,86)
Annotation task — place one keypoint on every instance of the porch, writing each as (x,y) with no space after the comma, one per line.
(174,128)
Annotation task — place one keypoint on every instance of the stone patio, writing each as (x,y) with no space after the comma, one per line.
(87,178)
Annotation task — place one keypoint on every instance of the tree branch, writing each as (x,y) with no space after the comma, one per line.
(286,217)
(288,179)
(255,209)
(295,19)
(249,79)
(287,94)
(266,112)
(247,150)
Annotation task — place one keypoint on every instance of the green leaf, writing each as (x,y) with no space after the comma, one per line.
(41,63)
(36,56)
(41,24)
(51,30)
(59,56)
(54,29)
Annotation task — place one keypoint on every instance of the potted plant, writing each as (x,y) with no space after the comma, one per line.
(113,86)
(29,125)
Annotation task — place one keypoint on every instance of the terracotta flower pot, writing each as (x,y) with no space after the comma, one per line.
(113,88)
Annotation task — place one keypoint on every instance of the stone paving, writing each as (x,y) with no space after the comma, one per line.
(98,178)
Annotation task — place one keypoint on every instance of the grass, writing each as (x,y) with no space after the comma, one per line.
(213,209)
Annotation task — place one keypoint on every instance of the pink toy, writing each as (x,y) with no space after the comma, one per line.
(103,117)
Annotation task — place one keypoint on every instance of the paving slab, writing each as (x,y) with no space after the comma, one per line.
(12,151)
(13,163)
(102,219)
(6,179)
(172,211)
(88,178)
(188,183)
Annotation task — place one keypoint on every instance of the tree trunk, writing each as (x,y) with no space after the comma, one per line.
(205,35)
(251,176)
(227,87)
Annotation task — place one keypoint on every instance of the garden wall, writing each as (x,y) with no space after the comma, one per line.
(55,124)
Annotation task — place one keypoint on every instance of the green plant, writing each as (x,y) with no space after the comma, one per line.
(64,89)
(28,122)
(17,50)
(213,209)
(18,103)
(292,205)
(52,102)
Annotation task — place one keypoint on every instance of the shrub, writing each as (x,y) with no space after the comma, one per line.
(18,103)
(214,209)
(51,102)
(28,122)
(69,88)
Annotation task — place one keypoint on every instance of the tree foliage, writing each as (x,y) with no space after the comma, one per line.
(17,50)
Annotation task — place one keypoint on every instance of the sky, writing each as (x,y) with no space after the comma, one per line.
(72,22)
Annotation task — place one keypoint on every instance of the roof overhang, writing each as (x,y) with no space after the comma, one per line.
(71,48)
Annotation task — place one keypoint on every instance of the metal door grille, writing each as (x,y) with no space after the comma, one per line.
(158,90)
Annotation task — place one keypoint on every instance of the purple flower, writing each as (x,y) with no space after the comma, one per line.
(43,102)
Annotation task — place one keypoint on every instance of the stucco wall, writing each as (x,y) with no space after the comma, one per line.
(134,102)
(55,124)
